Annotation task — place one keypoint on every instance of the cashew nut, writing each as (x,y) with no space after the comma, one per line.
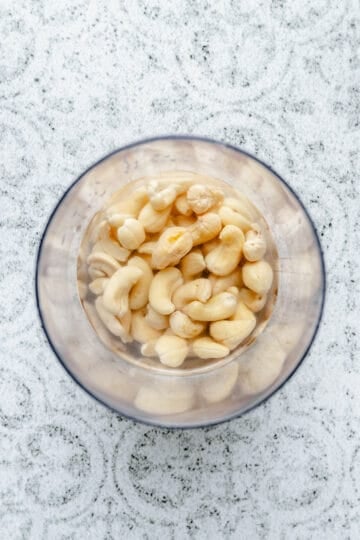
(205,228)
(170,397)
(241,205)
(254,246)
(161,290)
(112,248)
(98,285)
(226,257)
(172,350)
(198,289)
(116,293)
(258,276)
(131,235)
(220,385)
(220,284)
(112,323)
(201,198)
(252,300)
(139,294)
(117,220)
(152,220)
(155,319)
(147,248)
(161,198)
(231,333)
(182,206)
(184,327)
(141,331)
(221,306)
(103,262)
(172,246)
(205,347)
(230,217)
(192,264)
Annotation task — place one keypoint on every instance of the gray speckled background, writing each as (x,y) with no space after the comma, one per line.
(79,78)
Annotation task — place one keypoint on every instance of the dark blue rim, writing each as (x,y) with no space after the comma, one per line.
(230,147)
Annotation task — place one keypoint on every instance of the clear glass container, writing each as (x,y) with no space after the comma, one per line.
(210,393)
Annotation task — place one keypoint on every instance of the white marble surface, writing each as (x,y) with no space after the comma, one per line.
(79,78)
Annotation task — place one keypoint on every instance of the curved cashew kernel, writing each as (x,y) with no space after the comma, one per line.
(112,323)
(210,246)
(258,276)
(230,217)
(182,206)
(172,246)
(165,399)
(252,300)
(205,347)
(152,220)
(184,221)
(103,262)
(98,285)
(155,319)
(255,246)
(117,220)
(226,257)
(112,248)
(116,293)
(141,331)
(221,384)
(161,290)
(164,198)
(205,228)
(147,248)
(220,284)
(232,333)
(131,235)
(198,289)
(183,326)
(139,294)
(201,197)
(131,205)
(242,205)
(172,350)
(192,264)
(221,306)
(148,349)
(94,273)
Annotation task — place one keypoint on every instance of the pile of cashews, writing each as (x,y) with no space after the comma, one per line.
(180,268)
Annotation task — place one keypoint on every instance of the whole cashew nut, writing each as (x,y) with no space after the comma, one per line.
(226,257)
(182,206)
(152,220)
(161,290)
(254,246)
(131,234)
(201,198)
(112,248)
(116,293)
(98,285)
(172,246)
(231,333)
(221,306)
(141,331)
(161,198)
(230,217)
(112,323)
(103,262)
(220,284)
(252,300)
(198,289)
(205,228)
(139,294)
(184,327)
(130,205)
(258,276)
(205,347)
(192,264)
(155,319)
(172,350)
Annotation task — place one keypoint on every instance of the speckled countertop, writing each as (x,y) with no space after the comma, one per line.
(79,78)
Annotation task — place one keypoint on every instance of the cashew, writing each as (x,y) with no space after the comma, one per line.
(169,397)
(172,350)
(220,384)
(112,323)
(255,246)
(220,284)
(98,285)
(112,248)
(232,333)
(103,262)
(131,234)
(221,306)
(184,221)
(161,198)
(192,264)
(226,257)
(147,248)
(230,217)
(151,220)
(235,291)
(148,348)
(94,273)
(117,220)
(207,348)
(241,205)
(198,289)
(139,294)
(161,290)
(252,300)
(184,327)
(258,276)
(205,228)
(155,319)
(182,205)
(131,205)
(116,293)
(201,197)
(172,246)
(141,331)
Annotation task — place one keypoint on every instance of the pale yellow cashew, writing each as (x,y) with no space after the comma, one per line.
(205,347)
(225,258)
(205,228)
(103,262)
(182,206)
(147,248)
(220,284)
(152,220)
(98,285)
(168,397)
(112,323)
(258,276)
(172,350)
(192,264)
(255,245)
(241,205)
(172,246)
(112,248)
(141,331)
(162,287)
(252,300)
(131,234)
(198,289)
(155,319)
(202,198)
(232,332)
(221,306)
(230,217)
(148,349)
(117,220)
(139,294)
(162,198)
(184,327)
(220,384)
(116,293)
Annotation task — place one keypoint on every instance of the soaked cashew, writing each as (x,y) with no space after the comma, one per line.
(155,319)
(141,331)
(172,350)
(139,294)
(205,347)
(205,228)
(116,293)
(198,289)
(254,246)
(162,198)
(202,198)
(112,248)
(104,263)
(221,306)
(241,205)
(148,349)
(230,217)
(192,264)
(172,246)
(258,276)
(147,248)
(182,206)
(117,220)
(152,220)
(112,323)
(184,327)
(220,385)
(226,257)
(131,234)
(232,332)
(252,300)
(98,285)
(163,285)
(220,284)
